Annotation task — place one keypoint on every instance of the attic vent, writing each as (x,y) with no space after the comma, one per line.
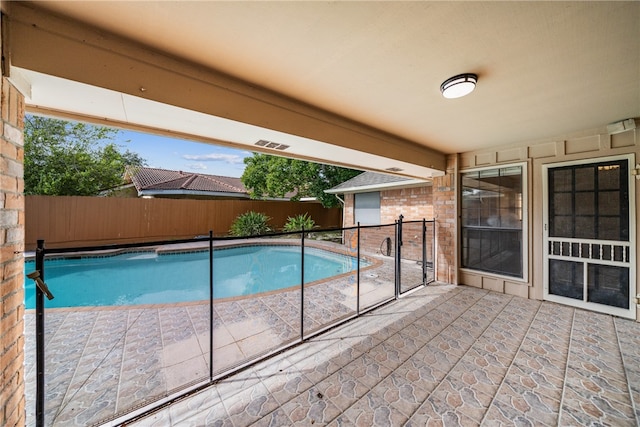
(393,169)
(269,144)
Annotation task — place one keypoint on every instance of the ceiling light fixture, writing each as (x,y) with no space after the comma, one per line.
(460,85)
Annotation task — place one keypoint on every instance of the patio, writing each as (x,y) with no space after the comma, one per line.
(444,355)
(102,362)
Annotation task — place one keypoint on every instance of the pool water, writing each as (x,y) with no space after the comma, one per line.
(147,278)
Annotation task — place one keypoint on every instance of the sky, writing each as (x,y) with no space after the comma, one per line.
(176,154)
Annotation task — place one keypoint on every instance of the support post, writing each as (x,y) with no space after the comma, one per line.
(40,337)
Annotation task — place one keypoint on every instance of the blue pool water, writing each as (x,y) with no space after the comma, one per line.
(147,278)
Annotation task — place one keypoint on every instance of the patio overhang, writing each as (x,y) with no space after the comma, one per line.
(69,69)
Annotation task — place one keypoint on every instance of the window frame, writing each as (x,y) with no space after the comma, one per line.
(524,243)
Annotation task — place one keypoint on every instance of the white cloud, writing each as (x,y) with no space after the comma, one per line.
(213,157)
(197,166)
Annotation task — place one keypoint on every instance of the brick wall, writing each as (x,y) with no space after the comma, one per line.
(372,239)
(12,401)
(413,203)
(444,206)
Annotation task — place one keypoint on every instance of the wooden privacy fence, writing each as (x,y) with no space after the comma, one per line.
(70,221)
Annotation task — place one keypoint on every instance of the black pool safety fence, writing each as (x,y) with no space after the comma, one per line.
(188,313)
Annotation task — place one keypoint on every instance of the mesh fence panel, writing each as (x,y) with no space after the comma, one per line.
(123,329)
(330,293)
(257,298)
(129,327)
(377,281)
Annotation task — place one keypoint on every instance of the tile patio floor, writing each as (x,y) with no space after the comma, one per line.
(101,362)
(444,355)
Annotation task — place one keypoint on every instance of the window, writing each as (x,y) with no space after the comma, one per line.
(367,208)
(493,213)
(590,201)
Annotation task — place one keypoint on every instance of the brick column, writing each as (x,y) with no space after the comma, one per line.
(444,209)
(12,400)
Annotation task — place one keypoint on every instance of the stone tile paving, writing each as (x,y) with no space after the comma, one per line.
(442,356)
(102,362)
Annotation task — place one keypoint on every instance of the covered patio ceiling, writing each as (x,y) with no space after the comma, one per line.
(350,83)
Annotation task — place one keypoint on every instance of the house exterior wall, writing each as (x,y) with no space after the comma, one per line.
(414,204)
(12,400)
(586,145)
(445,211)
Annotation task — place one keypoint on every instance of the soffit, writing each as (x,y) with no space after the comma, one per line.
(545,69)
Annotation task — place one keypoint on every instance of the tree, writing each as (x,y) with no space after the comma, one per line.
(272,176)
(72,159)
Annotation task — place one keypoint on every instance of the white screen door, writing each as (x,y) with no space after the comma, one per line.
(589,235)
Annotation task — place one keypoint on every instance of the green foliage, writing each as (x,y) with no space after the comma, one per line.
(299,222)
(72,159)
(271,176)
(250,224)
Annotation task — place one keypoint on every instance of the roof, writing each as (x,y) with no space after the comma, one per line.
(154,181)
(373,181)
(164,182)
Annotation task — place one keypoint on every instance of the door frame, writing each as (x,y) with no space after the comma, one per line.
(629,313)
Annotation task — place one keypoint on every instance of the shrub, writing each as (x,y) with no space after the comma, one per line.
(297,223)
(250,224)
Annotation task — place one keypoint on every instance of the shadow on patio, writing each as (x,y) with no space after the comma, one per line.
(444,355)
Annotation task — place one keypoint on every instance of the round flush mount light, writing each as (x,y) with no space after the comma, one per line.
(460,85)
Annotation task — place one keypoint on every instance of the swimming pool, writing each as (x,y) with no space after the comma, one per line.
(150,278)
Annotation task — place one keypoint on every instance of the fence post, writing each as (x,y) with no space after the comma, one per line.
(302,286)
(210,305)
(40,337)
(424,252)
(398,254)
(358,273)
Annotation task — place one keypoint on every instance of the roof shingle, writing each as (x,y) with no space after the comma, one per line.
(163,179)
(372,180)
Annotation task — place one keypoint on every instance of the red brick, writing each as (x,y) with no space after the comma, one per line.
(13,105)
(5,99)
(13,134)
(12,405)
(16,417)
(7,149)
(14,201)
(8,184)
(12,409)
(9,252)
(11,301)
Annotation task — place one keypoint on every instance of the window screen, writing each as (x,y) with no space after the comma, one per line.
(492,216)
(367,208)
